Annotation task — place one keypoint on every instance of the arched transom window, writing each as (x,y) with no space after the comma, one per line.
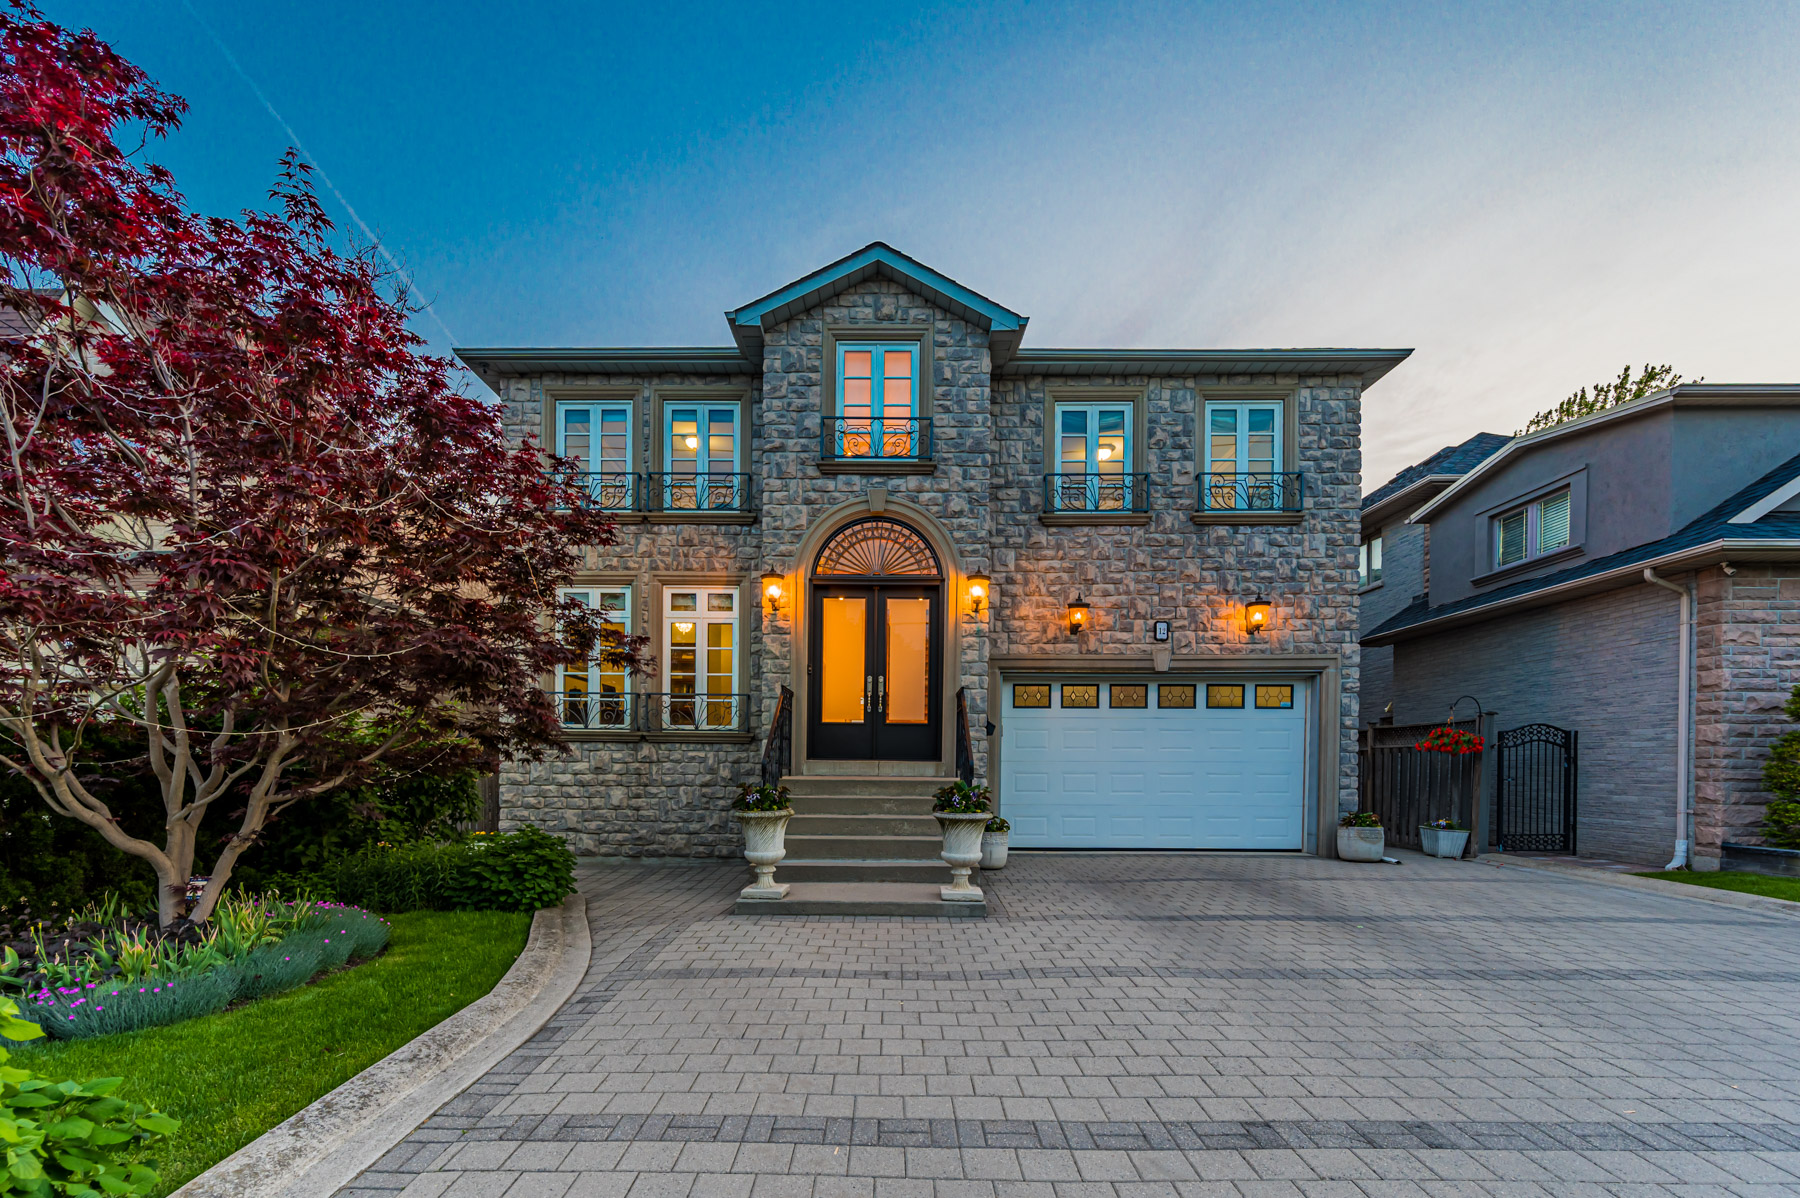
(878,549)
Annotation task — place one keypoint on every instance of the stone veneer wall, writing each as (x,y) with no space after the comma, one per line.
(795,493)
(621,795)
(1196,576)
(1748,650)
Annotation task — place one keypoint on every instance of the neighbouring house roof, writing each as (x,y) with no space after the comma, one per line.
(1686,394)
(1710,537)
(877,260)
(1452,461)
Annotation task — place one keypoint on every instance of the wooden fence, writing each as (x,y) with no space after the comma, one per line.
(1407,787)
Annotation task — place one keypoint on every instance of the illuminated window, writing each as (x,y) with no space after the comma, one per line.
(1243,456)
(1231,695)
(700,458)
(1093,458)
(1085,694)
(1127,694)
(595,693)
(700,657)
(1275,696)
(1171,694)
(878,401)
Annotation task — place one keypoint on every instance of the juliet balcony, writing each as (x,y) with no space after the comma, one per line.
(669,494)
(650,711)
(875,445)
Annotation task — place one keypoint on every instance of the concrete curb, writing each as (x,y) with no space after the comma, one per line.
(322,1148)
(1705,894)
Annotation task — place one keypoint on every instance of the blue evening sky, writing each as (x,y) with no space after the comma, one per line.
(1532,194)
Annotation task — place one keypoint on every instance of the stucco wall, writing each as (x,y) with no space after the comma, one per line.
(1748,649)
(1604,666)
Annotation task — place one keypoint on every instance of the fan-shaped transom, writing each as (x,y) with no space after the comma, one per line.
(878,549)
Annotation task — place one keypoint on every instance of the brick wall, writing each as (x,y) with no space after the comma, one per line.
(1402,578)
(1605,666)
(1748,651)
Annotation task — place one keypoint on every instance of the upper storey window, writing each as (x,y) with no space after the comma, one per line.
(1532,530)
(1244,455)
(701,458)
(598,437)
(1093,459)
(878,403)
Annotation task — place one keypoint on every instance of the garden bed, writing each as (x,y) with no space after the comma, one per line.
(229,1077)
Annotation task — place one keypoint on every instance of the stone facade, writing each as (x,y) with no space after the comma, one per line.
(1747,643)
(981,502)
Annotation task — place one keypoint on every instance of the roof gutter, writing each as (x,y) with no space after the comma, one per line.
(1681,559)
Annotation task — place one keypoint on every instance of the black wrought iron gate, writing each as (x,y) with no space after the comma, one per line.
(1535,791)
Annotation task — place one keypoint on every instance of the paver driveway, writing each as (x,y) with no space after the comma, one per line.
(1149,1026)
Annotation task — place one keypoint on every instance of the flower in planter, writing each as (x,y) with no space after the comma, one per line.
(997,824)
(961,798)
(1360,819)
(1447,824)
(760,796)
(1447,739)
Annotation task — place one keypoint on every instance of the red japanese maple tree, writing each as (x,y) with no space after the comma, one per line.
(242,511)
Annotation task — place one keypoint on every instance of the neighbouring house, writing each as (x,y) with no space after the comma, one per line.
(877,523)
(1634,577)
(1391,565)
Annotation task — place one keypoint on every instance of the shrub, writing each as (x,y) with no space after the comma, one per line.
(960,798)
(66,1138)
(520,871)
(1781,778)
(515,871)
(1360,819)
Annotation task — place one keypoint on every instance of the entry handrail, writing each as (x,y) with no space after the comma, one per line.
(965,750)
(778,748)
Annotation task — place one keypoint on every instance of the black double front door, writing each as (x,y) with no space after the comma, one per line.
(876,671)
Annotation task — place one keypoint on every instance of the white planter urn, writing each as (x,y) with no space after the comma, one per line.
(765,844)
(1443,842)
(1361,844)
(962,849)
(993,850)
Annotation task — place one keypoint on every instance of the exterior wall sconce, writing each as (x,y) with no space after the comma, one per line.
(771,587)
(979,587)
(1078,616)
(1256,616)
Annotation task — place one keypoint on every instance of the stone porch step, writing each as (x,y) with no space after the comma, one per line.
(862,786)
(864,870)
(862,823)
(868,848)
(863,898)
(913,805)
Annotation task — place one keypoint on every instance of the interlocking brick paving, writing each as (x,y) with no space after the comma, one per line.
(1148,1026)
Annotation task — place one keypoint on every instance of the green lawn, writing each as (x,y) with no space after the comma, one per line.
(1747,883)
(230,1077)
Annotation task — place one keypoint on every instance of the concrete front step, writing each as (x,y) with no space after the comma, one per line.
(861,870)
(862,786)
(862,824)
(862,804)
(868,848)
(863,898)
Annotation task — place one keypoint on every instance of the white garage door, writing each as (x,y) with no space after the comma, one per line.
(1154,765)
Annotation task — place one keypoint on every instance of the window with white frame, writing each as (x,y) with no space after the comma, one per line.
(700,458)
(878,401)
(1532,530)
(595,693)
(597,436)
(1369,561)
(700,656)
(1244,456)
(1093,458)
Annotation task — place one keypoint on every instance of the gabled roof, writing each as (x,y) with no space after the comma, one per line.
(1443,467)
(876,260)
(1708,538)
(1685,394)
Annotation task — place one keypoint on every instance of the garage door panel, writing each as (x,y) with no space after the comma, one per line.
(1154,778)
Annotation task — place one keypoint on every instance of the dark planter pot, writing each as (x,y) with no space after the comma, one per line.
(1754,858)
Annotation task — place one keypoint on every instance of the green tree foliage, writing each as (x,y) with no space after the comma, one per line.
(1781,778)
(1624,389)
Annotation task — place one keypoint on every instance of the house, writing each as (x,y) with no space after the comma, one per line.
(1633,577)
(877,534)
(1391,565)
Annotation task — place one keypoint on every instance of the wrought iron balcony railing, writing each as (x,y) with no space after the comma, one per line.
(1229,492)
(608,490)
(1096,492)
(877,438)
(650,711)
(711,491)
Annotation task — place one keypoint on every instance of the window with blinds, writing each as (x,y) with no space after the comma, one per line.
(1532,531)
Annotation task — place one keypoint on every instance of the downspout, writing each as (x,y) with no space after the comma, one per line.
(1684,710)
